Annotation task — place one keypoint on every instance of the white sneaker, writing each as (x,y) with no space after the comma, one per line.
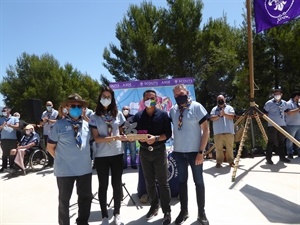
(105,221)
(117,220)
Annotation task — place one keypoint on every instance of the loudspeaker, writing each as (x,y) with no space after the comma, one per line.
(33,110)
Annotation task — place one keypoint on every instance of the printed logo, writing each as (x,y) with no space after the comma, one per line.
(279,9)
(172,168)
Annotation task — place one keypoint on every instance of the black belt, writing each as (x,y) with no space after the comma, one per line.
(152,148)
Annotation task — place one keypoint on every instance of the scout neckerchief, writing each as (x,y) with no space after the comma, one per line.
(25,139)
(280,106)
(76,127)
(108,120)
(181,110)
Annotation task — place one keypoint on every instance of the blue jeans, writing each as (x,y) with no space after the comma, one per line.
(132,148)
(183,160)
(295,132)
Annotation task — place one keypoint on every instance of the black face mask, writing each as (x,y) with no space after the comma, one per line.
(220,102)
(181,99)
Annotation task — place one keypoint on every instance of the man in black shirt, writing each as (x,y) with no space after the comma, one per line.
(153,156)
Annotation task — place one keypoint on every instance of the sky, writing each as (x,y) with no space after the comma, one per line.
(77,31)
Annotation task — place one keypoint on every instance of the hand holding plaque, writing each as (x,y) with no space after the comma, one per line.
(131,132)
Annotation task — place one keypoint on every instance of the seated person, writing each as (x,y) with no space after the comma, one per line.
(29,140)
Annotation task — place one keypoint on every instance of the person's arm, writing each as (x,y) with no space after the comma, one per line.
(99,139)
(14,126)
(204,139)
(51,149)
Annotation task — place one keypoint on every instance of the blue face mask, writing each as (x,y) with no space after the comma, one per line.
(75,112)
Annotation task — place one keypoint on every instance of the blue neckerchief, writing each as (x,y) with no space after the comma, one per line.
(77,125)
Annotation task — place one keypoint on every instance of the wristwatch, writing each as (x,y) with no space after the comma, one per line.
(201,152)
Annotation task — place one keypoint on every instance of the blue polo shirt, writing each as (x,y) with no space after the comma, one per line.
(70,160)
(156,124)
(9,132)
(276,111)
(52,115)
(112,148)
(223,125)
(294,119)
(188,138)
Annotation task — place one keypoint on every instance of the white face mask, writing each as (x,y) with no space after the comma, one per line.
(125,112)
(277,97)
(105,101)
(49,108)
(27,132)
(4,113)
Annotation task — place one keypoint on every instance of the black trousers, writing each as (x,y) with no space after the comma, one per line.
(275,137)
(103,166)
(84,191)
(7,145)
(155,168)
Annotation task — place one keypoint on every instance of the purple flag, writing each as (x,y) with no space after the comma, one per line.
(271,13)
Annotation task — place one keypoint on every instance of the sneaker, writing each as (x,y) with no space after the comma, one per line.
(117,220)
(153,211)
(183,215)
(269,161)
(202,219)
(285,160)
(166,219)
(105,221)
(218,165)
(290,156)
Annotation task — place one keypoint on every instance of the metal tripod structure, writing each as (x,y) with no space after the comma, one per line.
(253,110)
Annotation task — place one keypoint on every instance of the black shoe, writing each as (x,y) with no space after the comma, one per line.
(183,215)
(270,162)
(153,211)
(202,219)
(285,160)
(2,170)
(218,165)
(290,156)
(134,167)
(166,219)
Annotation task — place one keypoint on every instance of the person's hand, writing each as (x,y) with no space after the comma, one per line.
(222,113)
(123,137)
(150,139)
(199,159)
(45,119)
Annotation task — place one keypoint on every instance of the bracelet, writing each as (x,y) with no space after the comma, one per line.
(156,138)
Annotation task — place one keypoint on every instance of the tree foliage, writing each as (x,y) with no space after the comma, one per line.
(43,78)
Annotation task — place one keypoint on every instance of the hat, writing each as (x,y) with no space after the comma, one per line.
(29,126)
(277,90)
(74,98)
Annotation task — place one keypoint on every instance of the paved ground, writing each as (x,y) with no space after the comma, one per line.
(261,195)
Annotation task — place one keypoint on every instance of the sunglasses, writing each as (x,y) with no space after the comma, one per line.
(76,106)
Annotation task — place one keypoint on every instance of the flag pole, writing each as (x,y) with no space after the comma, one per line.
(250,53)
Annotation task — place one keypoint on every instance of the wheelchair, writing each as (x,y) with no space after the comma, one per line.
(35,159)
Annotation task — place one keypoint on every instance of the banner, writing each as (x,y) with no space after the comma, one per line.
(131,93)
(271,13)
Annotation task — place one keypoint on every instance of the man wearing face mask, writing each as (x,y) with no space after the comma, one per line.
(153,155)
(8,127)
(69,144)
(293,123)
(129,145)
(191,133)
(29,140)
(222,116)
(276,109)
(48,118)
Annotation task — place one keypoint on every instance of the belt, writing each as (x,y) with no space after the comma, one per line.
(152,148)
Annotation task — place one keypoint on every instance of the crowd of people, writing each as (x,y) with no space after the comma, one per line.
(74,133)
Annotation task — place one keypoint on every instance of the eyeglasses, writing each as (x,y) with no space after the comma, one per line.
(76,106)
